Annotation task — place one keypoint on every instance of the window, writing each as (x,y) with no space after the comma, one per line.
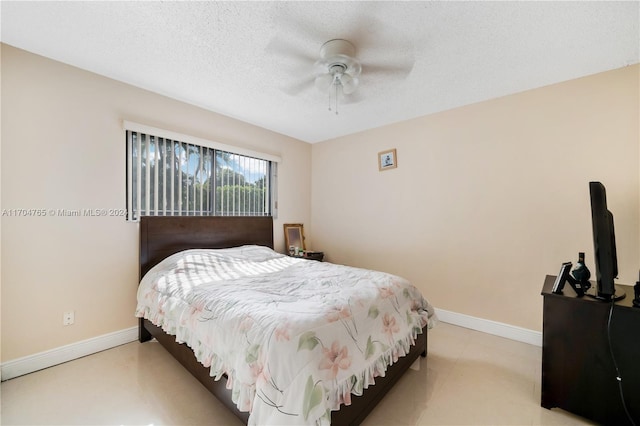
(171,177)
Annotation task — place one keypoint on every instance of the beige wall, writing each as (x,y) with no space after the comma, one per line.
(63,147)
(486,200)
(0,206)
(489,198)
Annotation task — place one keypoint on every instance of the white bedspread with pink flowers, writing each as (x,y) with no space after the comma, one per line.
(295,337)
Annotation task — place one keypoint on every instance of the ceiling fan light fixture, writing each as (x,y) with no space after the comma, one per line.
(349,84)
(348,64)
(337,70)
(324,82)
(345,79)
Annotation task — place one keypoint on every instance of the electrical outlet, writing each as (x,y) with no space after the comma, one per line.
(68,318)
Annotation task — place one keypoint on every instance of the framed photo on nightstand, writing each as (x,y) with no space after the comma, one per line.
(294,236)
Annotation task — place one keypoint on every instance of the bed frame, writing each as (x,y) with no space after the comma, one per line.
(161,237)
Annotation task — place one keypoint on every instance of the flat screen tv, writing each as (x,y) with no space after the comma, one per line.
(604,243)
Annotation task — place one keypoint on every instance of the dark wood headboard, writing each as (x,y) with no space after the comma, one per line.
(162,236)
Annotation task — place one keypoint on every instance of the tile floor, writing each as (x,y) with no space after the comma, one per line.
(472,378)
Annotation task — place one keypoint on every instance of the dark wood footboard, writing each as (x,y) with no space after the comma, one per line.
(185,356)
(361,406)
(353,414)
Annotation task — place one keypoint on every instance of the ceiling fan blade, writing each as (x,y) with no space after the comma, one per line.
(289,49)
(400,70)
(381,50)
(299,86)
(323,82)
(370,34)
(353,98)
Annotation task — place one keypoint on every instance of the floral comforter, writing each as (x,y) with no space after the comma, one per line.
(295,337)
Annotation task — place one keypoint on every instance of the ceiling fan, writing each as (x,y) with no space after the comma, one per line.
(338,71)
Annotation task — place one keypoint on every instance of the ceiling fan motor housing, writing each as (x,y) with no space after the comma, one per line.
(337,64)
(337,47)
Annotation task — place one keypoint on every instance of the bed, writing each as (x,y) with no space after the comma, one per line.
(169,241)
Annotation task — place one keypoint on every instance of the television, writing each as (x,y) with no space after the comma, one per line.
(604,244)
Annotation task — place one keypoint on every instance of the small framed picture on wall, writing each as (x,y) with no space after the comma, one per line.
(387,160)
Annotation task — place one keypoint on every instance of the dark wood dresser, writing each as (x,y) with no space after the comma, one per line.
(580,340)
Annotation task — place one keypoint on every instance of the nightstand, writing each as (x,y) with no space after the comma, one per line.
(314,255)
(310,255)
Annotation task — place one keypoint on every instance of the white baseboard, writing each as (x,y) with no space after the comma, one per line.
(491,327)
(31,363)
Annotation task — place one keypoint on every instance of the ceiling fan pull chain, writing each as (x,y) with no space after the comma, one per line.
(337,82)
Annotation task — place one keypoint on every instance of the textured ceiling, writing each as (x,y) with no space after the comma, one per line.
(254,60)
